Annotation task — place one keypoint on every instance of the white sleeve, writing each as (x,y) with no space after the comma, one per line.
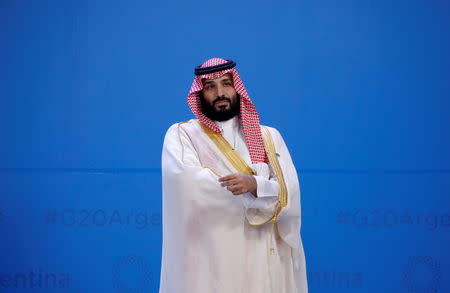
(267,184)
(267,189)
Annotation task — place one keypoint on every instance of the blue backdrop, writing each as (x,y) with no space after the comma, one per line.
(359,90)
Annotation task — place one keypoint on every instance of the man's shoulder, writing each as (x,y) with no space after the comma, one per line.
(188,123)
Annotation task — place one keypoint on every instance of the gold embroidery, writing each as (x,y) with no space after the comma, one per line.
(218,175)
(282,195)
(273,159)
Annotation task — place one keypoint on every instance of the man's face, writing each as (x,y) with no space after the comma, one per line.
(219,98)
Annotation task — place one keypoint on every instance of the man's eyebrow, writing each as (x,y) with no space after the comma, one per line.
(223,80)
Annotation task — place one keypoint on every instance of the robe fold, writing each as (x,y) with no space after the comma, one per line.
(209,244)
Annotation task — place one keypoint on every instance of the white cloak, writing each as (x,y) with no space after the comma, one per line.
(208,244)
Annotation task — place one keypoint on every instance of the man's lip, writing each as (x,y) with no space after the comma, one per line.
(223,102)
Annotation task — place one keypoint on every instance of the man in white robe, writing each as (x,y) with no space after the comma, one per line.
(219,187)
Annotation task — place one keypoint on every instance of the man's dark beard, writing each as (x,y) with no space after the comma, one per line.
(220,115)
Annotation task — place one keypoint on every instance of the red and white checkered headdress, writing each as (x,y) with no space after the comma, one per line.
(248,114)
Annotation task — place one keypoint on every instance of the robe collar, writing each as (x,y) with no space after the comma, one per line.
(233,123)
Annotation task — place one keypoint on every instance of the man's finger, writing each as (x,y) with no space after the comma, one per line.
(228,177)
(234,188)
(238,192)
(230,182)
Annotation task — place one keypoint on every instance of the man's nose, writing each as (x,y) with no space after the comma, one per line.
(220,91)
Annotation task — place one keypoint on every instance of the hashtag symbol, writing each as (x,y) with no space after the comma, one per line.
(342,217)
(50,217)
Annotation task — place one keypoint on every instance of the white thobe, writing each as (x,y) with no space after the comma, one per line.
(208,243)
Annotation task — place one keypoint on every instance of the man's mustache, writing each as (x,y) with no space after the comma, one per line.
(222,99)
